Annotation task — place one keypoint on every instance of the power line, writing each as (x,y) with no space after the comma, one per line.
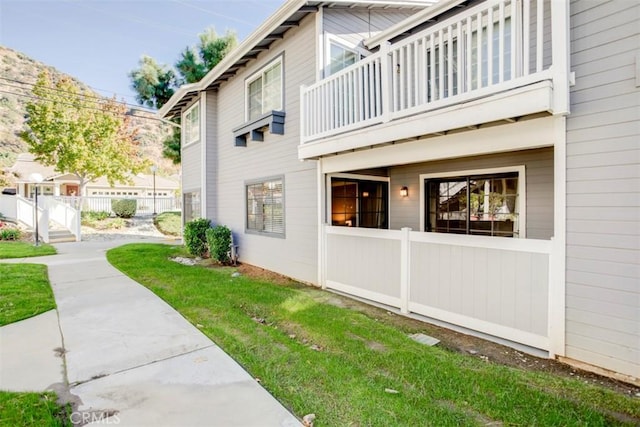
(73,93)
(91,108)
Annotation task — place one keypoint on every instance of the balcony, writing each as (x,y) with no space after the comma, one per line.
(489,63)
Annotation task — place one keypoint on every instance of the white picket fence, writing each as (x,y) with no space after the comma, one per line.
(145,205)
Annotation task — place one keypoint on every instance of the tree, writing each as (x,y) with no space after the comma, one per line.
(171,146)
(155,83)
(81,133)
(195,63)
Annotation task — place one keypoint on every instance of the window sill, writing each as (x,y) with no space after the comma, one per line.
(273,121)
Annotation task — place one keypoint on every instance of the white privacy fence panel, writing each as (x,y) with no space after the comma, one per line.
(364,266)
(488,284)
(498,286)
(493,47)
(8,206)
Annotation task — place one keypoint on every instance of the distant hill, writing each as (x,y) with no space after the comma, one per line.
(16,69)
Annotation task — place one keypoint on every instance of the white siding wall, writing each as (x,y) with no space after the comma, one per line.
(296,254)
(191,163)
(603,187)
(191,167)
(211,167)
(405,212)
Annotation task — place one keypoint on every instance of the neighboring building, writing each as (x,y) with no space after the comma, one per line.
(473,162)
(58,184)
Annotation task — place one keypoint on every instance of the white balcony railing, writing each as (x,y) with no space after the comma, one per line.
(493,47)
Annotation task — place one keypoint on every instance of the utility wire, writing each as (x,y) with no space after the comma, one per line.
(91,108)
(140,107)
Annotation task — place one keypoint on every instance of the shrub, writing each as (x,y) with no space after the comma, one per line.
(95,215)
(124,208)
(219,240)
(9,234)
(195,236)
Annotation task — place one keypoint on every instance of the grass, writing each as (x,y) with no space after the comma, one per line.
(32,410)
(344,365)
(24,250)
(169,223)
(24,292)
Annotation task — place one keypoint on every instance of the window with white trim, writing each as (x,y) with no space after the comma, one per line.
(265,206)
(264,90)
(192,206)
(478,204)
(340,55)
(191,124)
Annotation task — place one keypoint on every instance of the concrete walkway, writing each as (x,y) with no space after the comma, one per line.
(131,356)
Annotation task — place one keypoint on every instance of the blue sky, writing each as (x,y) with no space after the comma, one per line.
(100,41)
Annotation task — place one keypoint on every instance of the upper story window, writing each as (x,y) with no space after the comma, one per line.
(191,124)
(480,204)
(265,91)
(340,56)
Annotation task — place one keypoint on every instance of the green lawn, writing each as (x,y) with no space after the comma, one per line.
(353,367)
(32,410)
(24,292)
(169,223)
(24,249)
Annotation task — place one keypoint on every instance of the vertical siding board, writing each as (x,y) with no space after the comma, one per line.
(509,288)
(524,293)
(481,283)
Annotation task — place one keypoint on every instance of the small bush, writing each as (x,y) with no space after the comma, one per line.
(124,208)
(195,236)
(93,218)
(219,240)
(9,234)
(95,215)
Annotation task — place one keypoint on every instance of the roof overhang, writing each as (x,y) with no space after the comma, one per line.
(404,27)
(286,17)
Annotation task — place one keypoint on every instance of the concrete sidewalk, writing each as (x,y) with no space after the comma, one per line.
(132,356)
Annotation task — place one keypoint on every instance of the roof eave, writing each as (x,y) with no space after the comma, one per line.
(411,22)
(275,20)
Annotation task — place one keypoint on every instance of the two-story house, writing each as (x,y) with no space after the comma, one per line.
(471,162)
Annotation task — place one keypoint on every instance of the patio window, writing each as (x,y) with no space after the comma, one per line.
(192,207)
(191,124)
(475,204)
(265,206)
(359,203)
(264,90)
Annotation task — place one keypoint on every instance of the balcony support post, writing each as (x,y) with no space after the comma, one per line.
(560,56)
(385,76)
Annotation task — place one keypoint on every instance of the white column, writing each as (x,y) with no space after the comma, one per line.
(557,259)
(560,55)
(56,188)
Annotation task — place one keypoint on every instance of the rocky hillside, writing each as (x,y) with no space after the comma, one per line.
(18,72)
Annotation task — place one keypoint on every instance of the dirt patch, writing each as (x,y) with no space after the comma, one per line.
(264,275)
